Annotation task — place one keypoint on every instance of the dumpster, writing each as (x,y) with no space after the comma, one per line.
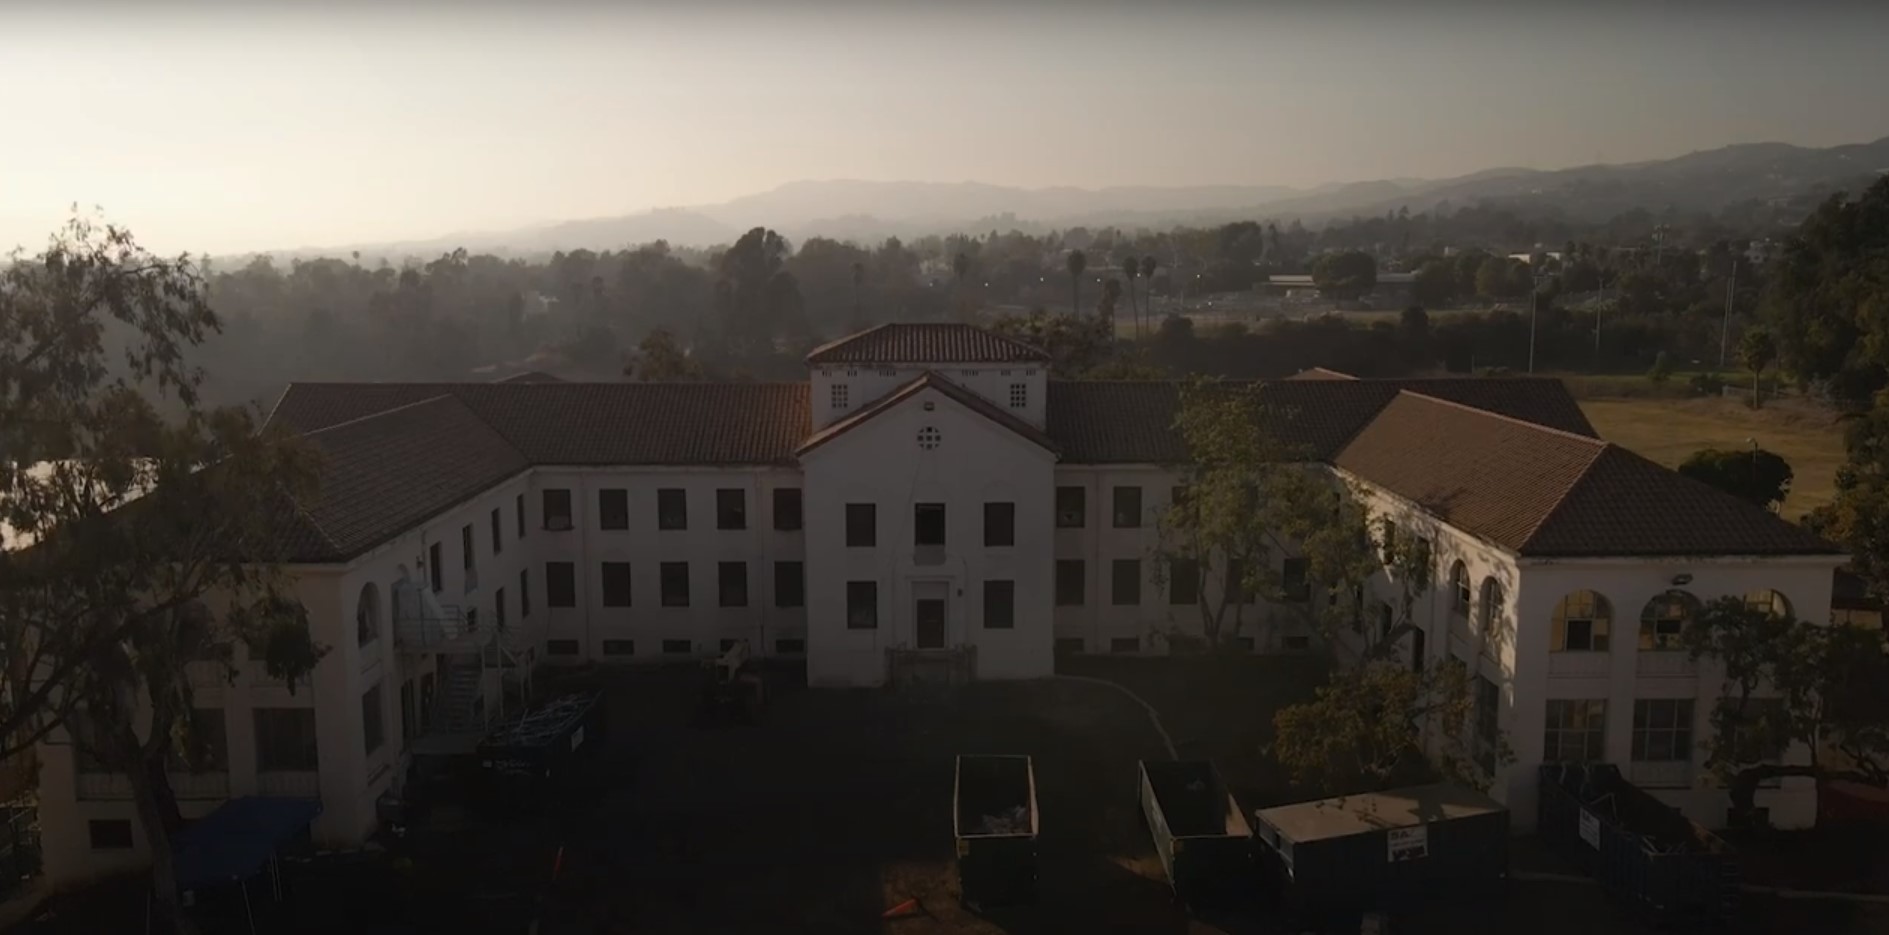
(1385,850)
(523,757)
(995,822)
(1205,844)
(1643,850)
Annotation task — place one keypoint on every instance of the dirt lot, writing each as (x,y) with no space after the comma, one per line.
(836,806)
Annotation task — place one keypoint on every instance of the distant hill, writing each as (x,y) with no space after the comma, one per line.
(1709,181)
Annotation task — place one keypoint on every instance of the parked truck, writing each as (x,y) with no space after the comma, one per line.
(994,818)
(1645,851)
(1205,844)
(1384,851)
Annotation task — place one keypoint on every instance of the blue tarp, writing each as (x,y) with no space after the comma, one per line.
(236,841)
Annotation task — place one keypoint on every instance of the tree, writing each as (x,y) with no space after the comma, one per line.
(1345,276)
(1662,369)
(960,267)
(1435,284)
(1790,683)
(660,359)
(1827,295)
(1756,476)
(1111,294)
(1757,350)
(128,522)
(1366,726)
(1076,346)
(1130,269)
(1076,262)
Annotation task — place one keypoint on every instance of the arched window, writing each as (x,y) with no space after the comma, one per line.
(1489,615)
(367,615)
(1582,622)
(1665,618)
(1459,590)
(1766,599)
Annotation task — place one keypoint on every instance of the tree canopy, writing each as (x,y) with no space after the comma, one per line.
(1757,476)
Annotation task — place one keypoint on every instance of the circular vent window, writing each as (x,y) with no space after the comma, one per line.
(928,438)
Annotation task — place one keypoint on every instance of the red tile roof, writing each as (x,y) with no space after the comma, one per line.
(939,343)
(1544,492)
(930,380)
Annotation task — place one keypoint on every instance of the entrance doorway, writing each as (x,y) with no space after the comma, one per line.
(930,623)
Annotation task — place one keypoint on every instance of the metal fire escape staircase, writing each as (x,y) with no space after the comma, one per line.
(467,652)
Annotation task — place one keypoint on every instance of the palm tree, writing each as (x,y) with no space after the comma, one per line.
(1758,349)
(1129,270)
(1077,262)
(1148,263)
(960,265)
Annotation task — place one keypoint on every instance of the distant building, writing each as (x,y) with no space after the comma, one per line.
(1393,290)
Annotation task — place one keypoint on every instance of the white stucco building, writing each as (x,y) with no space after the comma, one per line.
(929,498)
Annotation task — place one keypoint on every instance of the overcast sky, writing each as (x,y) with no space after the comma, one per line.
(232,127)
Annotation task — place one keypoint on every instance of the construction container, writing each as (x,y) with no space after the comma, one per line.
(994,818)
(1385,850)
(522,757)
(1205,844)
(1645,851)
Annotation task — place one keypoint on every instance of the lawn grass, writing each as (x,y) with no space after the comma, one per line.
(1806,434)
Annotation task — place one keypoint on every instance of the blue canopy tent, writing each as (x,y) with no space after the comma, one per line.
(239,842)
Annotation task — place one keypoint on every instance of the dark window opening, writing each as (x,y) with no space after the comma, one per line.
(862,525)
(613,509)
(672,508)
(1183,581)
(790,584)
(675,584)
(732,583)
(560,584)
(1071,582)
(731,508)
(787,516)
(1127,507)
(560,647)
(1000,524)
(557,509)
(619,647)
(928,524)
(616,584)
(1071,507)
(862,605)
(1000,605)
(1125,582)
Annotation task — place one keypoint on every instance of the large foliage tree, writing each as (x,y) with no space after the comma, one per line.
(1345,276)
(1792,685)
(1758,476)
(1828,295)
(127,523)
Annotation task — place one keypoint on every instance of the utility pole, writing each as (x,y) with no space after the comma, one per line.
(1725,328)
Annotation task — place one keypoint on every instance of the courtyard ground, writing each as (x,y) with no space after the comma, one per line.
(837,805)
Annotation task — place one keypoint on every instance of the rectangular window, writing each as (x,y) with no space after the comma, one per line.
(1125,582)
(1387,533)
(557,509)
(619,647)
(838,398)
(1183,582)
(1000,599)
(373,733)
(1000,525)
(561,648)
(109,834)
(862,605)
(285,740)
(1662,730)
(1125,644)
(1070,507)
(498,607)
(1071,582)
(790,647)
(434,572)
(862,525)
(1576,731)
(672,508)
(1127,507)
(675,584)
(613,509)
(524,593)
(519,507)
(732,582)
(1295,581)
(731,508)
(209,744)
(677,647)
(928,524)
(498,531)
(787,509)
(1297,643)
(1019,395)
(790,584)
(1069,645)
(1236,582)
(409,714)
(616,584)
(560,584)
(467,555)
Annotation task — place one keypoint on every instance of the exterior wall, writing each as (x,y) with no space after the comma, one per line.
(880,462)
(866,383)
(704,623)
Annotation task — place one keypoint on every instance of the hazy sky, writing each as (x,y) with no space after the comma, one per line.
(226,127)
